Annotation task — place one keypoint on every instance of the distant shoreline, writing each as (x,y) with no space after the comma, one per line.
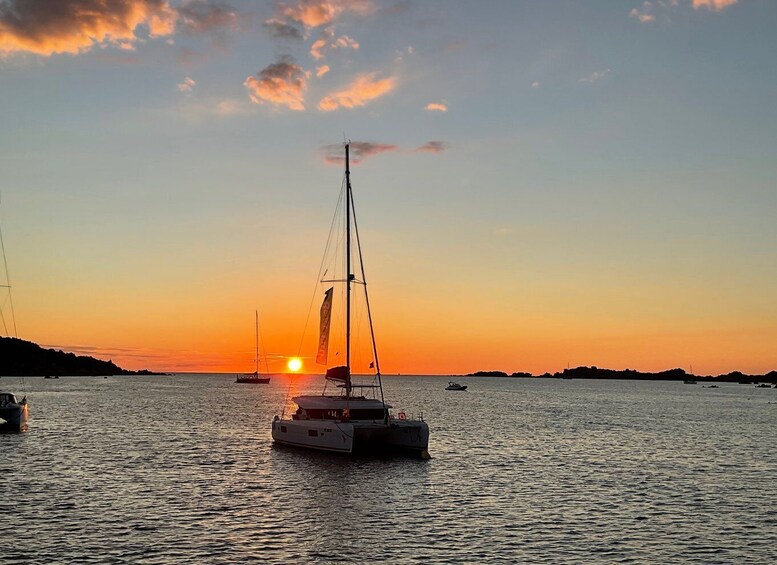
(633,375)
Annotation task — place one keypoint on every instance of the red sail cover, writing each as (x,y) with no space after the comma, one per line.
(323,334)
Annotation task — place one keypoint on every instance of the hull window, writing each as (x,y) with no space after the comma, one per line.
(313,433)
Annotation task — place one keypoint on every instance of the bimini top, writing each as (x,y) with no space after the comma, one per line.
(338,403)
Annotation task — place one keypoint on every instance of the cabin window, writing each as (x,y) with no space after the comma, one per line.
(313,433)
(283,429)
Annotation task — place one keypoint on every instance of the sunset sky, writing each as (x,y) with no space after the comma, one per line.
(538,183)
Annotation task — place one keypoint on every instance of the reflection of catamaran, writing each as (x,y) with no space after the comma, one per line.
(255,377)
(350,421)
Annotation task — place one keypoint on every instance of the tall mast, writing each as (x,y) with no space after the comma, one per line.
(256,317)
(348,275)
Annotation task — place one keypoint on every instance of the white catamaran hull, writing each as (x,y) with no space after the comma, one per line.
(354,437)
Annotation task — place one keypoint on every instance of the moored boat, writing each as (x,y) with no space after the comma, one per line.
(254,378)
(455,386)
(13,413)
(357,419)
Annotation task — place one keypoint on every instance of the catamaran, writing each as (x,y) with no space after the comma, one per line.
(358,419)
(255,377)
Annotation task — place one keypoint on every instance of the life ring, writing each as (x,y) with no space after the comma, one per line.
(402,415)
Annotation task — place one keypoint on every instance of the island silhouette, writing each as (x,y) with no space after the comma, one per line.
(631,374)
(22,358)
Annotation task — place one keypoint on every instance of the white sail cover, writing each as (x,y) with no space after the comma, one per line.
(323,335)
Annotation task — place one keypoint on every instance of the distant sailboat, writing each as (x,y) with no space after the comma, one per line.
(255,377)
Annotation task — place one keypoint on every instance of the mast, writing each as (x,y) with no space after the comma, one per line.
(348,276)
(256,316)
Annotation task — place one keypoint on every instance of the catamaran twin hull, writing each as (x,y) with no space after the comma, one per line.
(398,436)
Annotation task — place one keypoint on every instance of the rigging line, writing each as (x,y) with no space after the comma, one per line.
(367,301)
(321,266)
(8,282)
(261,340)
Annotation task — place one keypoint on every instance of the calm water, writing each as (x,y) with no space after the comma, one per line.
(181,470)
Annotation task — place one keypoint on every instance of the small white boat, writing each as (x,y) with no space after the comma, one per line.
(349,422)
(13,414)
(455,386)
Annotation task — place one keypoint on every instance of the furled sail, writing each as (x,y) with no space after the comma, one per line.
(323,335)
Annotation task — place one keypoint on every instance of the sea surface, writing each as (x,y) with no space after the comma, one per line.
(181,469)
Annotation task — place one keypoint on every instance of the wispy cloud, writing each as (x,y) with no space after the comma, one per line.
(715,5)
(359,151)
(436,107)
(43,27)
(322,70)
(282,84)
(433,147)
(187,85)
(643,14)
(595,76)
(203,16)
(282,30)
(363,89)
(535,84)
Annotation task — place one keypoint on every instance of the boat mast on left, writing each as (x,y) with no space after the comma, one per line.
(14,414)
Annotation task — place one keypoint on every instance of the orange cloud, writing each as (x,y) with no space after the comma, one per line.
(433,147)
(314,13)
(43,28)
(360,150)
(363,89)
(715,5)
(282,84)
(316,49)
(436,107)
(322,70)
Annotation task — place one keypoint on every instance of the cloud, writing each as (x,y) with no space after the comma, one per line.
(316,49)
(46,27)
(281,30)
(433,147)
(643,15)
(714,5)
(436,107)
(315,13)
(322,70)
(202,16)
(187,85)
(535,84)
(594,76)
(360,150)
(363,89)
(282,84)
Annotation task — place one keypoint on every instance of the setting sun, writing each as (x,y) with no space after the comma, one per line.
(294,364)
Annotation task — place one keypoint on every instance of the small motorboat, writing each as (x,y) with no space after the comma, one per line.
(455,386)
(763,385)
(13,414)
(689,381)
